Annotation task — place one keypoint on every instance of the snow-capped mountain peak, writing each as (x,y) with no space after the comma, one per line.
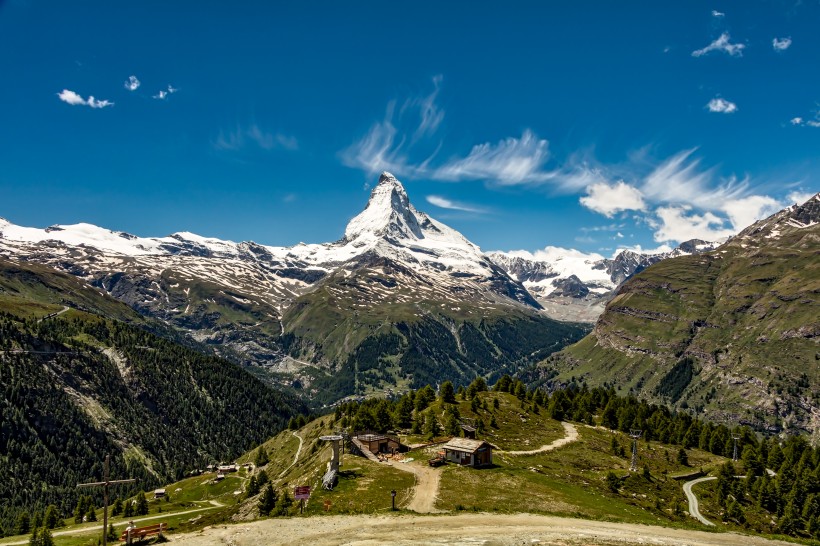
(388,213)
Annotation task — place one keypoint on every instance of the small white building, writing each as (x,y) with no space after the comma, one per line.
(465,451)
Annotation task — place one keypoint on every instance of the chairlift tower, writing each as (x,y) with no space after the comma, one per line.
(635,434)
(735,438)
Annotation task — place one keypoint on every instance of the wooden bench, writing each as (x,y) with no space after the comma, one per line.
(139,533)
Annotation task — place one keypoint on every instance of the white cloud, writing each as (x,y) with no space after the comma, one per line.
(716,13)
(800,122)
(75,99)
(745,211)
(510,162)
(721,44)
(132,83)
(444,203)
(721,105)
(678,223)
(609,199)
(163,93)
(798,197)
(781,44)
(638,249)
(240,137)
(382,149)
(430,113)
(680,180)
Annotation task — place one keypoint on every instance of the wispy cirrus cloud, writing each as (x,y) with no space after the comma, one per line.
(75,99)
(164,93)
(387,148)
(722,106)
(511,161)
(718,14)
(723,44)
(252,135)
(132,83)
(781,44)
(445,203)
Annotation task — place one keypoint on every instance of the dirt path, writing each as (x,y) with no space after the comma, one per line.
(52,315)
(425,491)
(571,435)
(461,529)
(120,523)
(296,457)
(694,510)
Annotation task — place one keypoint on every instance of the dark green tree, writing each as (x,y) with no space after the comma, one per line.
(142,505)
(612,482)
(116,509)
(283,504)
(253,488)
(683,458)
(23,523)
(431,426)
(267,501)
(261,458)
(447,393)
(52,517)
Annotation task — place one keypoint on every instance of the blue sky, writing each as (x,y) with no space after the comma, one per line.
(589,125)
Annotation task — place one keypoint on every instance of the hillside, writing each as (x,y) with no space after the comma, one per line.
(400,300)
(731,334)
(77,386)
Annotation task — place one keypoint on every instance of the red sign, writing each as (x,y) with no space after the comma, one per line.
(301,492)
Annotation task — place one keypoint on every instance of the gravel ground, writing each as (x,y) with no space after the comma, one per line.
(461,529)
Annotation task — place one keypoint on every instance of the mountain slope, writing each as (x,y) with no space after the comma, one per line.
(305,311)
(733,332)
(77,386)
(572,285)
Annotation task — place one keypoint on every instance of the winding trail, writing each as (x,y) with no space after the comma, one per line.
(694,510)
(571,436)
(425,491)
(52,315)
(296,457)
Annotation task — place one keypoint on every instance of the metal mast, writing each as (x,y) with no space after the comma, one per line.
(104,484)
(635,434)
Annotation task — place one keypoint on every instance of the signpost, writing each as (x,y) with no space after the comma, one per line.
(104,484)
(301,493)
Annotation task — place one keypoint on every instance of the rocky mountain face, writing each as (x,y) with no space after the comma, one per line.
(731,333)
(572,285)
(400,300)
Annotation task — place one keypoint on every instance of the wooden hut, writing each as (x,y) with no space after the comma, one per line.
(379,443)
(465,451)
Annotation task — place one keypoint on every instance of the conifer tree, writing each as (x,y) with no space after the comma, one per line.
(116,509)
(51,518)
(142,505)
(261,458)
(23,523)
(267,501)
(431,426)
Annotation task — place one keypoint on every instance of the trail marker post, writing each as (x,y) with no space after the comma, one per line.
(105,484)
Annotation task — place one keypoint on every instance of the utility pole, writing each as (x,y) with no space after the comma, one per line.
(635,434)
(104,484)
(735,438)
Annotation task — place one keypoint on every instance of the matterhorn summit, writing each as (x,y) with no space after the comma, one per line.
(388,213)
